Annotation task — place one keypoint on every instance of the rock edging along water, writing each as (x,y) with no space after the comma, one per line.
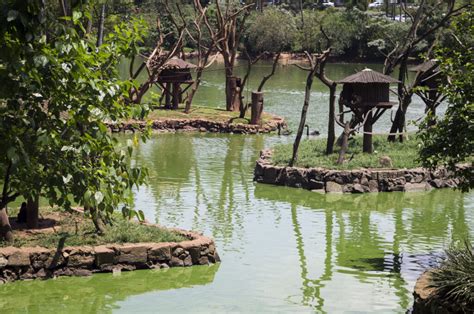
(351,181)
(200,125)
(42,263)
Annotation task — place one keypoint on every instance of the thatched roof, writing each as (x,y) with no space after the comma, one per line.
(368,76)
(177,63)
(426,66)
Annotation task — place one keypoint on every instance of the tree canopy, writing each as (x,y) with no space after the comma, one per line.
(58,90)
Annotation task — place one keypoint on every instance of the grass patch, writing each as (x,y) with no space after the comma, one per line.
(76,230)
(311,153)
(454,279)
(205,113)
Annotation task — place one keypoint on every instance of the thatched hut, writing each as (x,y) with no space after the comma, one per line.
(367,94)
(175,73)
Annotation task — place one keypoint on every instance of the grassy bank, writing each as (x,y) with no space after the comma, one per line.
(312,154)
(205,113)
(76,230)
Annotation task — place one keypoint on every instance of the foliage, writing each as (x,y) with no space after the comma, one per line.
(451,140)
(57,91)
(312,153)
(454,279)
(76,231)
(272,31)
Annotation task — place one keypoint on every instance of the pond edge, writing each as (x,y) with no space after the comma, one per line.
(199,125)
(28,263)
(362,180)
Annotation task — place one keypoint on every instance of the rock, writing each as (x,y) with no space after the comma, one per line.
(63,272)
(195,254)
(132,254)
(358,188)
(178,251)
(82,272)
(202,129)
(3,262)
(81,259)
(438,183)
(188,261)
(176,262)
(320,191)
(164,266)
(41,273)
(204,260)
(333,187)
(373,186)
(415,187)
(159,252)
(104,256)
(315,185)
(21,258)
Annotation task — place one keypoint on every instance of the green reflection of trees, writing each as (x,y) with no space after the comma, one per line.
(99,293)
(312,287)
(420,222)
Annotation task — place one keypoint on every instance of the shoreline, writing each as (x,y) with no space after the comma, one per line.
(28,263)
(323,180)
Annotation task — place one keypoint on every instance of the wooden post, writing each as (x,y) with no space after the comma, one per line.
(175,95)
(167,95)
(257,107)
(368,134)
(32,212)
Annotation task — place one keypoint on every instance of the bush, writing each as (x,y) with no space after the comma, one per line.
(454,280)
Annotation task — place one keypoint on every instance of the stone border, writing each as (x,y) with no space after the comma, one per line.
(200,125)
(351,181)
(42,263)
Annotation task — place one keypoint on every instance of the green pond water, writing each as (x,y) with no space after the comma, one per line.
(282,249)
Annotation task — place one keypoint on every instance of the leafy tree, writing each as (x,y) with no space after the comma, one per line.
(57,91)
(451,140)
(273,30)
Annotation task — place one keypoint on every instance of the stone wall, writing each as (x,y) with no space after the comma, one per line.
(42,263)
(351,181)
(201,125)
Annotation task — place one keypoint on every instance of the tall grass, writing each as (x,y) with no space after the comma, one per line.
(454,280)
(312,154)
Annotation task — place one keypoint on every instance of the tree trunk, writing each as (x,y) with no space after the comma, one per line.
(232,94)
(175,96)
(257,107)
(100,34)
(367,138)
(331,121)
(6,231)
(344,143)
(307,95)
(97,220)
(32,213)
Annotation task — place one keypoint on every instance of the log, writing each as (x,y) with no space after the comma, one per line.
(257,107)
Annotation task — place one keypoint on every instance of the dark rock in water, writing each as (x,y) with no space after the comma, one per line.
(315,132)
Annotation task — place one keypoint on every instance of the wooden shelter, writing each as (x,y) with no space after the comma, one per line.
(367,95)
(174,74)
(431,79)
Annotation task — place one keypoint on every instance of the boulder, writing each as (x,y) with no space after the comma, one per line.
(333,187)
(159,252)
(132,254)
(104,256)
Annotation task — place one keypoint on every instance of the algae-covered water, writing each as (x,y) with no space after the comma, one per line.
(282,249)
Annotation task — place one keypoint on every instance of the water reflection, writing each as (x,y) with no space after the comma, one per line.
(99,293)
(373,237)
